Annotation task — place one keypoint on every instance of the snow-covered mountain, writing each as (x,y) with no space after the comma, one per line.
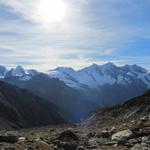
(107,84)
(20,73)
(66,99)
(96,76)
(101,85)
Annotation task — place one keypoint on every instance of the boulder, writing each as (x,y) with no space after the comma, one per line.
(68,136)
(92,142)
(67,140)
(9,139)
(67,145)
(122,135)
(140,147)
(105,134)
(132,142)
(103,141)
(80,148)
(112,143)
(145,139)
(22,138)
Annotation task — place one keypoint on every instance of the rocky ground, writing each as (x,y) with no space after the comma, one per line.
(134,135)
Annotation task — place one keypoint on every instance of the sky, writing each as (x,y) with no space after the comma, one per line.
(75,33)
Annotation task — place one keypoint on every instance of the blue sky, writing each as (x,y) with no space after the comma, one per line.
(93,31)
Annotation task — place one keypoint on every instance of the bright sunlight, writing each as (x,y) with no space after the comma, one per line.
(51,11)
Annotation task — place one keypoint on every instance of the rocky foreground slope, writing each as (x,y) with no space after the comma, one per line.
(125,127)
(131,111)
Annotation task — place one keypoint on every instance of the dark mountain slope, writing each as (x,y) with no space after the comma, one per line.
(71,103)
(21,109)
(132,110)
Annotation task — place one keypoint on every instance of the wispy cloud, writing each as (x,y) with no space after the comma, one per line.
(93,30)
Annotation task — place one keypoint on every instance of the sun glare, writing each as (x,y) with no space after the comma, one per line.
(51,10)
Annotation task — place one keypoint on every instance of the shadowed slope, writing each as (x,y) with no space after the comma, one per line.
(21,109)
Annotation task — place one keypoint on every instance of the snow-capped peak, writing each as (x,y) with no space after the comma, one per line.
(98,75)
(90,68)
(65,69)
(18,71)
(109,65)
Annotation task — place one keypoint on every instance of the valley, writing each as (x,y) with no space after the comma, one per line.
(122,127)
(43,111)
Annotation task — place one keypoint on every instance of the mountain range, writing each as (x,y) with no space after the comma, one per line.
(77,93)
(100,82)
(96,76)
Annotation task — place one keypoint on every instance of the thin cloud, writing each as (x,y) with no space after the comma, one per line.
(93,27)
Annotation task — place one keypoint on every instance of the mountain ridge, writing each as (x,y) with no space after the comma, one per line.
(20,108)
(98,75)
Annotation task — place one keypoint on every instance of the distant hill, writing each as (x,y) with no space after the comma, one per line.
(21,109)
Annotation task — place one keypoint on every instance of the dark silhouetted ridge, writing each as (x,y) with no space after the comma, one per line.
(21,109)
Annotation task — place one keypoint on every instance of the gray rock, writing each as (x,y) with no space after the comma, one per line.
(145,139)
(132,142)
(80,148)
(92,143)
(103,141)
(68,145)
(122,135)
(22,138)
(67,140)
(105,134)
(9,139)
(140,147)
(68,136)
(111,143)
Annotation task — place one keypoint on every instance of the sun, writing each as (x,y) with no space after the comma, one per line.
(50,11)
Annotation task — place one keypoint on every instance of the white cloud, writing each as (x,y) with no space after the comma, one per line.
(86,31)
